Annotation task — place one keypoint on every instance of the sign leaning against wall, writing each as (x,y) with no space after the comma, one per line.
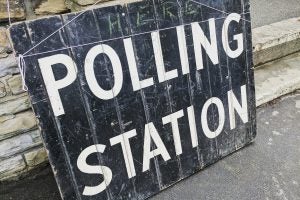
(131,99)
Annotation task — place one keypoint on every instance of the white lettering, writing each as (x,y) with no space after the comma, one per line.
(160,66)
(192,124)
(92,169)
(173,119)
(213,134)
(123,139)
(184,59)
(151,132)
(233,105)
(90,72)
(53,85)
(136,83)
(239,38)
(200,40)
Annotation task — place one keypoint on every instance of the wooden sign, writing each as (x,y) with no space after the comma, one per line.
(131,99)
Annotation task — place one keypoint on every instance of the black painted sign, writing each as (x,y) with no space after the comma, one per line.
(131,99)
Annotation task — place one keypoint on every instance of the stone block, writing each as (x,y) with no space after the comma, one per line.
(51,7)
(15,106)
(3,37)
(5,48)
(36,157)
(12,168)
(11,88)
(10,97)
(4,88)
(77,5)
(19,144)
(15,124)
(86,2)
(15,84)
(17,11)
(8,65)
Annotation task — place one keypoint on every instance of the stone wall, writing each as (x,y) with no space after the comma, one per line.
(20,142)
(21,148)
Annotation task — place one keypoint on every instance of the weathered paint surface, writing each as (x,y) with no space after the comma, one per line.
(88,120)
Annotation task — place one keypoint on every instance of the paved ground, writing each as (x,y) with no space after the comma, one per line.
(267,169)
(265,12)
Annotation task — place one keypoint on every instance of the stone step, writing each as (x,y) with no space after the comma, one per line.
(276,40)
(277,78)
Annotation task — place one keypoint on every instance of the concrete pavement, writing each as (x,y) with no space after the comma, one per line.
(265,12)
(267,169)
